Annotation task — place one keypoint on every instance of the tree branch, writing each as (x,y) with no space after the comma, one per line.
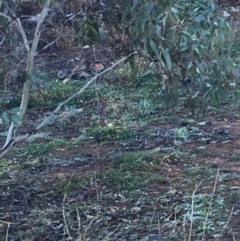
(30,62)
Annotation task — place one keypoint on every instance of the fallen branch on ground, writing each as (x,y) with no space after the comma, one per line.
(13,141)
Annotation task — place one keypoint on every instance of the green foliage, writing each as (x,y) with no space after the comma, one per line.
(200,215)
(38,149)
(12,116)
(179,39)
(35,81)
(52,93)
(87,30)
(181,133)
(130,171)
(112,133)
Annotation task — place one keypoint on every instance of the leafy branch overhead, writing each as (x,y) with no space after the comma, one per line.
(179,36)
(181,39)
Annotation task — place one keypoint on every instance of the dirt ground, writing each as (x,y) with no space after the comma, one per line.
(68,191)
(138,180)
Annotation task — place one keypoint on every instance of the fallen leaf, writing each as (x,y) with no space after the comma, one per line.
(157,149)
(173,191)
(136,209)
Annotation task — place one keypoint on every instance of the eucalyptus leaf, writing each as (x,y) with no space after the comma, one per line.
(135,3)
(174,10)
(5,117)
(199,19)
(187,33)
(15,110)
(167,57)
(154,46)
(14,74)
(34,79)
(236,73)
(16,120)
(147,72)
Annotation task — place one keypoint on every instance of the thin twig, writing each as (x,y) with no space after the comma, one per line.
(226,224)
(2,40)
(192,212)
(8,226)
(79,224)
(50,44)
(7,231)
(63,209)
(211,202)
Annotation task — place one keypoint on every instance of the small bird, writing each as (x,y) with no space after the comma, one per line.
(63,74)
(66,75)
(186,81)
(97,138)
(52,49)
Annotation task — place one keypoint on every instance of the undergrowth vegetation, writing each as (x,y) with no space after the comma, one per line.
(148,149)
